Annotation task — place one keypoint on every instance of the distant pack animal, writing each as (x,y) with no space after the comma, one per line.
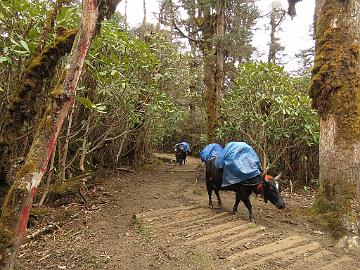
(268,187)
(180,154)
(181,150)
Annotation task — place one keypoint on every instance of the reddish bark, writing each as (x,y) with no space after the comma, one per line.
(17,205)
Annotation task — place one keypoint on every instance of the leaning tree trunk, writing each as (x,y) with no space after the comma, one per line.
(335,92)
(17,204)
(22,110)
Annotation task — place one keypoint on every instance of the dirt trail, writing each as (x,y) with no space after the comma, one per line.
(159,219)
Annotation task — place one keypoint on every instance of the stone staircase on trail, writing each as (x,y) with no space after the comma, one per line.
(237,243)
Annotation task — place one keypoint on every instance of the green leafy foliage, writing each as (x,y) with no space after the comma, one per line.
(142,89)
(19,36)
(142,80)
(270,110)
(99,107)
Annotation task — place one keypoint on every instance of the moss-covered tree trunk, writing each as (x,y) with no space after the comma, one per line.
(220,50)
(335,92)
(210,91)
(23,110)
(214,59)
(210,96)
(17,204)
(193,70)
(20,116)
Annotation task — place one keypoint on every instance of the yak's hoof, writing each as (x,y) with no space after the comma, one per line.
(233,212)
(219,210)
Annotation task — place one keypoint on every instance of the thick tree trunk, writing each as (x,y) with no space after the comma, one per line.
(22,110)
(17,204)
(220,54)
(335,92)
(193,69)
(210,95)
(214,58)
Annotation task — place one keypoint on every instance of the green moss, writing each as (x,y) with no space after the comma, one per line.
(30,90)
(203,260)
(5,236)
(63,216)
(28,167)
(333,208)
(37,69)
(337,58)
(65,189)
(58,91)
(142,228)
(329,221)
(40,212)
(9,211)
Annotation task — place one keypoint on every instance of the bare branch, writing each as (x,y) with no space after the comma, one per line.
(184,35)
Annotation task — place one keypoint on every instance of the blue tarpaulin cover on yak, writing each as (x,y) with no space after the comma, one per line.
(211,150)
(239,161)
(185,145)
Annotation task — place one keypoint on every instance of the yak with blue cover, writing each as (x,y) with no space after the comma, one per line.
(238,169)
(181,150)
(211,150)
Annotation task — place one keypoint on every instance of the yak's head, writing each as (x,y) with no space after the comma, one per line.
(271,191)
(179,148)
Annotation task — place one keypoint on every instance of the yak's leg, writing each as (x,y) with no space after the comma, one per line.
(218,197)
(249,207)
(209,188)
(237,201)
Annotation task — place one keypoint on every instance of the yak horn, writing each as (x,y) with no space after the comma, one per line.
(265,171)
(278,176)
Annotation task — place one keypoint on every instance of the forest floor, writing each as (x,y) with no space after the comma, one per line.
(158,218)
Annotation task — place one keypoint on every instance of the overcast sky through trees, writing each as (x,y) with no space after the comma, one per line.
(295,34)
